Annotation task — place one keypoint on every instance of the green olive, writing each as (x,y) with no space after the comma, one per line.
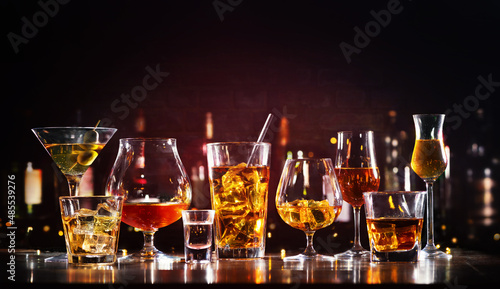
(89,146)
(91,136)
(86,158)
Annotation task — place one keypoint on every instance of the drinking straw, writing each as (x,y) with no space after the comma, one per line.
(263,132)
(265,127)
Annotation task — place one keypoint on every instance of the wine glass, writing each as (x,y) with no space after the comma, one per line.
(308,198)
(429,161)
(357,172)
(151,176)
(73,149)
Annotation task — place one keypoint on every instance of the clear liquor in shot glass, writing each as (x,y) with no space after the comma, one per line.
(198,228)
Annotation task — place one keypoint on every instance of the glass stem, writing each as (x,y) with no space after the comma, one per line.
(430,214)
(357,243)
(74,185)
(149,249)
(309,251)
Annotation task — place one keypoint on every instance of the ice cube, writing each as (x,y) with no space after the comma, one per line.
(84,223)
(406,237)
(86,212)
(384,238)
(105,224)
(97,243)
(104,209)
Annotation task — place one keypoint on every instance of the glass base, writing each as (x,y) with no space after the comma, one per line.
(140,257)
(240,253)
(353,254)
(63,258)
(431,252)
(89,260)
(411,255)
(303,257)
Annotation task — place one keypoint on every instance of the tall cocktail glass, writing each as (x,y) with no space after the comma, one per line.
(239,179)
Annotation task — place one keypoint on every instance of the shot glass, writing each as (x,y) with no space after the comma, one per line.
(198,228)
(91,228)
(394,221)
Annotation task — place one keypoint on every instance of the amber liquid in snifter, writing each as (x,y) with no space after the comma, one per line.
(429,158)
(308,215)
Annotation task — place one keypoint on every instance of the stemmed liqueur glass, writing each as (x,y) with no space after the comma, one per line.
(151,176)
(429,161)
(357,172)
(308,198)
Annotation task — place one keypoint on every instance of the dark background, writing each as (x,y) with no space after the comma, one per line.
(240,63)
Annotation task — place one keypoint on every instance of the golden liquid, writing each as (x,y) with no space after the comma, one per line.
(308,215)
(239,198)
(429,159)
(391,234)
(74,159)
(87,234)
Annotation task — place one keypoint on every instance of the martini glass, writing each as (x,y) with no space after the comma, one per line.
(73,149)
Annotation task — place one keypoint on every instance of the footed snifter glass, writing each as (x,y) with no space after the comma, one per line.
(429,161)
(308,199)
(149,173)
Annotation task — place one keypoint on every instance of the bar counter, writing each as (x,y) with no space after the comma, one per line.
(465,270)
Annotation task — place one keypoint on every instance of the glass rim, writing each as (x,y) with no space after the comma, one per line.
(385,193)
(90,197)
(74,127)
(429,114)
(356,131)
(310,159)
(148,139)
(238,142)
(201,210)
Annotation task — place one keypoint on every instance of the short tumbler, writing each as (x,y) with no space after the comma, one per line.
(394,221)
(91,228)
(198,228)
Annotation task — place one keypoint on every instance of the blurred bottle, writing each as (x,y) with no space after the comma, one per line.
(397,171)
(32,187)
